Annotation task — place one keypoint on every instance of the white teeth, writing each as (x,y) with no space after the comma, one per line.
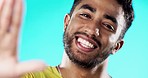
(85,43)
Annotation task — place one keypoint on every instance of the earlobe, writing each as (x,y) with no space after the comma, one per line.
(66,20)
(118,46)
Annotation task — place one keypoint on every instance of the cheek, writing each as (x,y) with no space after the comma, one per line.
(74,26)
(105,37)
(112,39)
(108,41)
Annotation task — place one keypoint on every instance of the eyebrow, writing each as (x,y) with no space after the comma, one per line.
(87,6)
(90,8)
(112,18)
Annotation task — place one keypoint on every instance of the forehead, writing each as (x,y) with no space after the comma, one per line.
(95,2)
(109,6)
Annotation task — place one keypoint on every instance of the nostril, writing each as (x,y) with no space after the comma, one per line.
(90,31)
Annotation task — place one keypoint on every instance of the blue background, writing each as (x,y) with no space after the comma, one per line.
(42,33)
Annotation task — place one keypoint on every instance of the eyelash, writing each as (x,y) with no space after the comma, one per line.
(109,27)
(86,16)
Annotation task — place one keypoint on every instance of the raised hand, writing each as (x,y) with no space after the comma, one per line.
(10,21)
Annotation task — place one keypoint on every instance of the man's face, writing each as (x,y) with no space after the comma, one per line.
(92,32)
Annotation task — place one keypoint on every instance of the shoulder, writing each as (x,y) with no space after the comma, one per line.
(49,72)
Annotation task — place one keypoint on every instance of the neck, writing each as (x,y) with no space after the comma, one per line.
(70,70)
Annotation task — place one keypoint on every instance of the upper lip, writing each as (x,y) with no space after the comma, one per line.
(94,41)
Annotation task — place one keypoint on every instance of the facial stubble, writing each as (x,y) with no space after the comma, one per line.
(88,63)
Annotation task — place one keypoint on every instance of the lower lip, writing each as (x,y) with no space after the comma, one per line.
(83,49)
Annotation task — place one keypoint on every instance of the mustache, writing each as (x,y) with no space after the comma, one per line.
(90,36)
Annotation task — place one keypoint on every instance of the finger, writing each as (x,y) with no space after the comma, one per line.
(15,24)
(16,17)
(30,66)
(1,5)
(5,18)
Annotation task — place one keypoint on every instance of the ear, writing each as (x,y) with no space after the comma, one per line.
(118,46)
(66,20)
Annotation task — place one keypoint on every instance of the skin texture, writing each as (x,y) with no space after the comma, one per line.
(10,21)
(83,24)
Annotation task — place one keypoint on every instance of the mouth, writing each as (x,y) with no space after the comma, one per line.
(85,44)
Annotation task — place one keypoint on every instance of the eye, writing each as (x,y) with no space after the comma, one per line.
(85,16)
(108,26)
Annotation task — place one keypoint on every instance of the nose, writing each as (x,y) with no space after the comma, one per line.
(97,31)
(92,29)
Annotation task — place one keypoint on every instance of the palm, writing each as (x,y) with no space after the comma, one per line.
(10,20)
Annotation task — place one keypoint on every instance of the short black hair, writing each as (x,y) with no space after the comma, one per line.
(128,13)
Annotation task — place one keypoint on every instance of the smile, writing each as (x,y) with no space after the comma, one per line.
(85,44)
